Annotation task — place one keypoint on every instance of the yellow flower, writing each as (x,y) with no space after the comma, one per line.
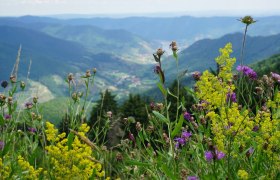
(242,174)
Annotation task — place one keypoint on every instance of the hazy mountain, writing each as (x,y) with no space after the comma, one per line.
(201,55)
(53,59)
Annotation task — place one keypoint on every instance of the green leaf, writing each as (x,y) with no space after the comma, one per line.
(170,93)
(162,89)
(133,162)
(2,122)
(178,126)
(70,138)
(168,171)
(160,117)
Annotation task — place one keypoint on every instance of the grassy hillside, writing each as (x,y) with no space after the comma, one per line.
(271,64)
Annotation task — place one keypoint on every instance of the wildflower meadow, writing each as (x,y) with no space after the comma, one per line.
(228,128)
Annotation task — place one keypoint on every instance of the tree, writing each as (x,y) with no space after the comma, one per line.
(135,107)
(102,115)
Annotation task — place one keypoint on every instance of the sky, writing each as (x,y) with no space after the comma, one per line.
(140,7)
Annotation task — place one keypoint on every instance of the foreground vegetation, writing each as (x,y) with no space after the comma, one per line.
(226,127)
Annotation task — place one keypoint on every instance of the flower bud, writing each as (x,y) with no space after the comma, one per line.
(88,73)
(13,79)
(35,99)
(22,85)
(70,77)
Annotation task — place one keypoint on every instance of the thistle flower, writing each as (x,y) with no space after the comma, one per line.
(173,46)
(7,116)
(29,105)
(131,137)
(247,20)
(32,130)
(208,155)
(160,52)
(4,84)
(247,71)
(196,75)
(231,97)
(275,77)
(187,116)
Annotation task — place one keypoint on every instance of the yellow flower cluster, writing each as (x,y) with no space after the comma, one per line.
(225,62)
(242,174)
(28,171)
(71,161)
(269,132)
(230,122)
(5,170)
(214,89)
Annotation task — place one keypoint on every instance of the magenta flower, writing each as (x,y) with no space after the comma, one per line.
(131,137)
(186,134)
(231,97)
(247,71)
(32,130)
(208,155)
(181,141)
(219,154)
(275,77)
(192,178)
(7,116)
(187,116)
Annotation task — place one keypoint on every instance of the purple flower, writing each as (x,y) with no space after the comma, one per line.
(2,145)
(186,134)
(180,141)
(231,97)
(187,116)
(251,150)
(7,116)
(157,69)
(131,137)
(208,155)
(192,178)
(196,75)
(255,128)
(32,130)
(247,71)
(219,154)
(275,77)
(29,105)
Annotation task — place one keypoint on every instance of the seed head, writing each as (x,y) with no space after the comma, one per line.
(247,20)
(160,52)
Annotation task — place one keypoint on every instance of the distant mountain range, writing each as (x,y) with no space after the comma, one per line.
(121,49)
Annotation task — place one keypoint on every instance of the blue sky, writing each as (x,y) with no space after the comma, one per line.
(187,7)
